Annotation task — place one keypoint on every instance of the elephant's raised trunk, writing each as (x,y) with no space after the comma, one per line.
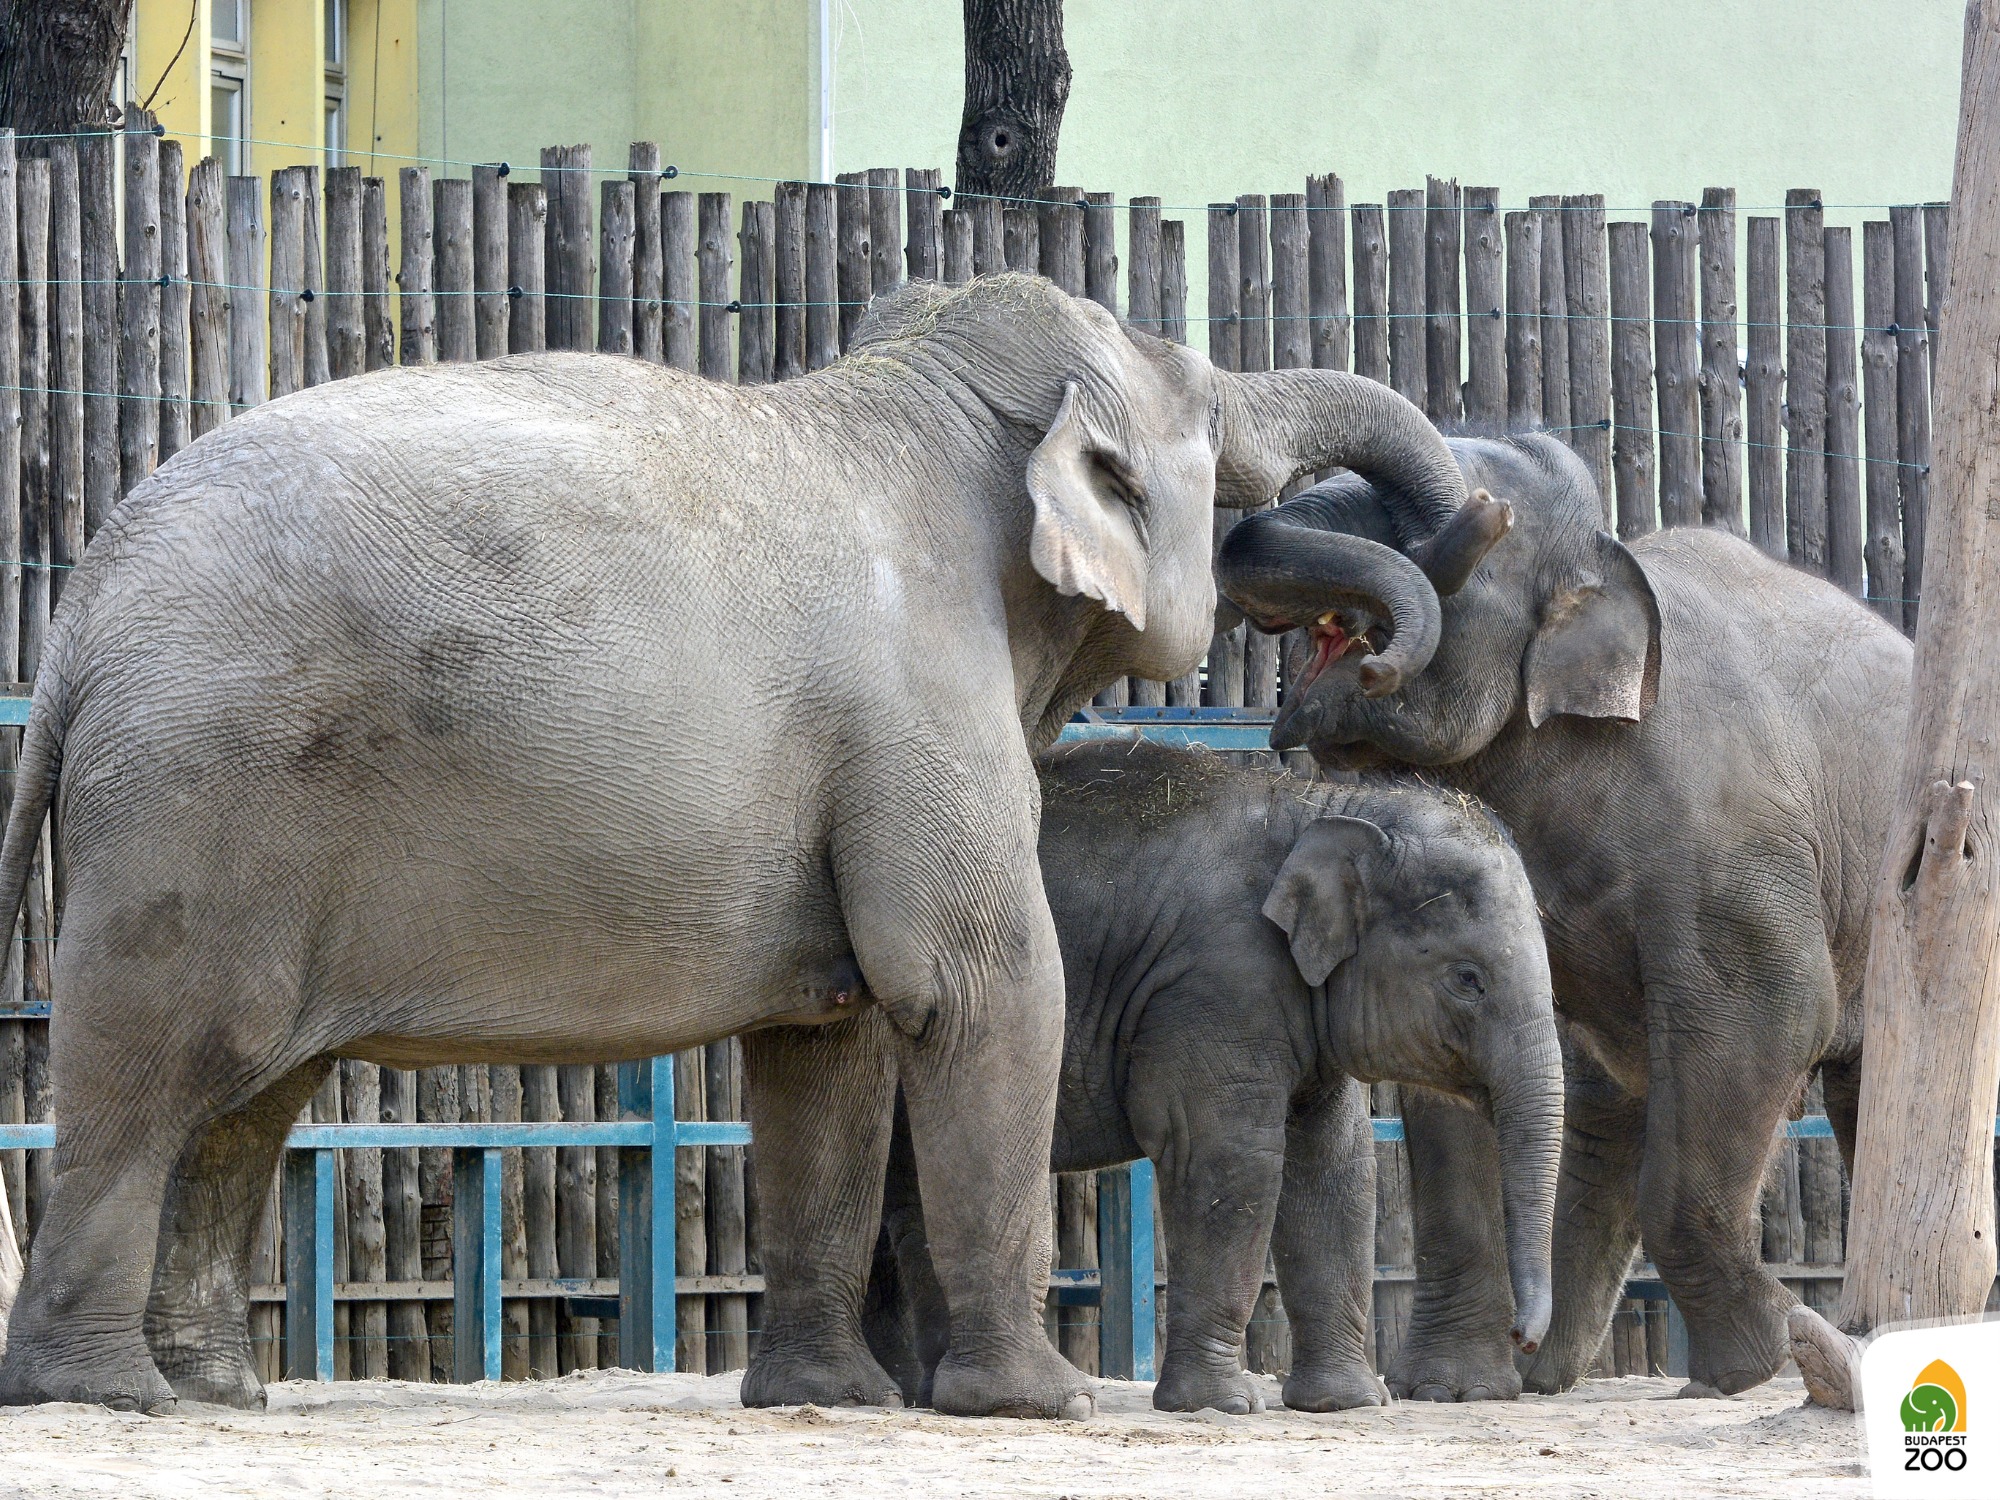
(1277,425)
(1528,1120)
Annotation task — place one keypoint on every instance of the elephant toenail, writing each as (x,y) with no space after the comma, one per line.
(1079,1408)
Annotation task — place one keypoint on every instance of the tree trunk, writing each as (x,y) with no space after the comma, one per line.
(57,62)
(1016,84)
(1921,1243)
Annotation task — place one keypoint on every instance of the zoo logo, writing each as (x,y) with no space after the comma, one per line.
(1934,1420)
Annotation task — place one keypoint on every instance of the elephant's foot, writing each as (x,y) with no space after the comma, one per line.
(121,1376)
(1189,1387)
(1455,1369)
(222,1379)
(1341,1388)
(1029,1380)
(784,1374)
(1739,1346)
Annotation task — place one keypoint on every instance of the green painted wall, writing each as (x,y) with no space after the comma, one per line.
(1196,100)
(723,85)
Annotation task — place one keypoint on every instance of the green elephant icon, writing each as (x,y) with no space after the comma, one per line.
(1929,1408)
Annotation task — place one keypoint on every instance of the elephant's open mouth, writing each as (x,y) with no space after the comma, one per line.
(1336,635)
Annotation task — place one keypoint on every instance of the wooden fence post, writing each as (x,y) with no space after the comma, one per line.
(1142,237)
(361,1167)
(1913,401)
(1485,325)
(1225,651)
(1805,380)
(608,1261)
(788,325)
(1371,293)
(616,235)
(989,235)
(1524,321)
(679,289)
(1937,272)
(538,1215)
(1326,257)
(1173,280)
(288,275)
(490,311)
(313,288)
(174,302)
(65,394)
(852,257)
(247,371)
(527,323)
(1879,410)
(1555,319)
(1023,239)
(1763,390)
(648,264)
(691,1214)
(413,272)
(885,229)
(756,283)
(437,1104)
(1632,455)
(712,282)
(1406,295)
(1059,240)
(1443,398)
(823,324)
(957,246)
(516,1325)
(208,306)
(1677,362)
(1589,357)
(97,175)
(402,1226)
(728,1255)
(569,264)
(452,279)
(923,257)
(1721,382)
(379,328)
(576,1215)
(1843,417)
(139,312)
(1100,250)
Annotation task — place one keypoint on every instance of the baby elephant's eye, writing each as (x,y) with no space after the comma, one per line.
(1468,981)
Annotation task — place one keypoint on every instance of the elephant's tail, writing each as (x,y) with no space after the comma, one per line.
(34,788)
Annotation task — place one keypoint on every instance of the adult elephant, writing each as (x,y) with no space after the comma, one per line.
(1692,745)
(566,708)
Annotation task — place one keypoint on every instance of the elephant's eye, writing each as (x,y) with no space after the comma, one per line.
(1468,981)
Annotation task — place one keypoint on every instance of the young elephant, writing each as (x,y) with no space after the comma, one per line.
(1239,949)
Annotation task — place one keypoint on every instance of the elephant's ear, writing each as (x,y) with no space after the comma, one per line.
(1597,654)
(1317,897)
(1087,537)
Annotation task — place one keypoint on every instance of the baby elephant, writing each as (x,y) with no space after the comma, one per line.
(1239,949)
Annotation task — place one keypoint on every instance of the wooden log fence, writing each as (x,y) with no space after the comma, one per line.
(146,297)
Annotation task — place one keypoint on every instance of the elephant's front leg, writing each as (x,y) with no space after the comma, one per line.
(1323,1246)
(1457,1348)
(1221,1167)
(1597,1219)
(820,1100)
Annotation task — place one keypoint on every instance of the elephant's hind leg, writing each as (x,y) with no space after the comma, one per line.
(820,1100)
(197,1319)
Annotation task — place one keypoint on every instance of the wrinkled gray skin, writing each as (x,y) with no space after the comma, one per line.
(1239,949)
(1693,746)
(566,708)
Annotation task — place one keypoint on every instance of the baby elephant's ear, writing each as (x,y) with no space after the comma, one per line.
(1318,895)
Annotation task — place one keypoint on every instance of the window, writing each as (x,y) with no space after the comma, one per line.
(336,81)
(229,84)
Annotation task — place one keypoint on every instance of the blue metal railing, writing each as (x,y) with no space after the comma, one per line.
(646,1134)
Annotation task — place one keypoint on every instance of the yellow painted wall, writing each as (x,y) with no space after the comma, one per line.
(170,55)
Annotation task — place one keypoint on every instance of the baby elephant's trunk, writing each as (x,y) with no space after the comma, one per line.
(1527,1098)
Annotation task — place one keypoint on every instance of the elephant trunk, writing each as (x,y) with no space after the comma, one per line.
(1526,1093)
(1277,425)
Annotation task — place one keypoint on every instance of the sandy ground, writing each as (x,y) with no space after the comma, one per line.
(618,1434)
